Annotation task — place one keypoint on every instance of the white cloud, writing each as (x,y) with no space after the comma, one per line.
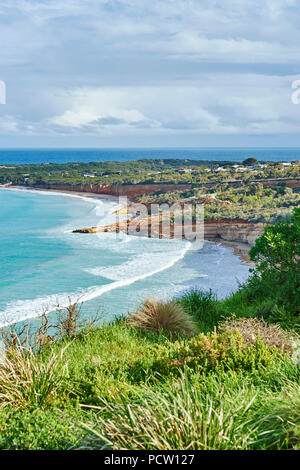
(8,124)
(191,46)
(224,30)
(198,53)
(101,107)
(219,104)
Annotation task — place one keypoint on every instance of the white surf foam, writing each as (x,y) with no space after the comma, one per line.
(137,266)
(23,310)
(94,200)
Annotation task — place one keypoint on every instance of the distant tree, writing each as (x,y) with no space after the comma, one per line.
(250,161)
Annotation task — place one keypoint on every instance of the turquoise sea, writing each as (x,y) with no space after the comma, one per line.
(43,264)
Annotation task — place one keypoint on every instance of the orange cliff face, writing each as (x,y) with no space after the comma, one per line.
(234,230)
(130,190)
(229,230)
(134,190)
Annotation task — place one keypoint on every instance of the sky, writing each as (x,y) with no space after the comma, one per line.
(141,73)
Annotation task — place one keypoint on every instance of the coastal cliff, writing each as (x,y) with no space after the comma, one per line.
(228,230)
(129,190)
(134,190)
(234,230)
(237,232)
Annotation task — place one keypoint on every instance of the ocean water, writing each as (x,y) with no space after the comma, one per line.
(23,156)
(43,264)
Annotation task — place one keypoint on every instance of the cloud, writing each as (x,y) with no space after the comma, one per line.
(222,104)
(140,68)
(8,124)
(224,30)
(193,46)
(96,108)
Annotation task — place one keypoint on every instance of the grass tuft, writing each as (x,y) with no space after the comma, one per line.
(155,317)
(28,380)
(182,417)
(202,306)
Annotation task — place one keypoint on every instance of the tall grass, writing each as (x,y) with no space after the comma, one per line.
(186,417)
(221,389)
(280,419)
(202,306)
(28,380)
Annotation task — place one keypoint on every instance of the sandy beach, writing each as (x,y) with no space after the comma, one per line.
(71,193)
(241,250)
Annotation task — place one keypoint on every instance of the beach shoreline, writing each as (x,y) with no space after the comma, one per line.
(240,249)
(82,194)
(34,305)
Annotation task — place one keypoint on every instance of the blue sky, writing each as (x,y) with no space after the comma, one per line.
(113,73)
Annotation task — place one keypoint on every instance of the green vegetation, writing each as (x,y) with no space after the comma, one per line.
(250,161)
(277,257)
(250,191)
(155,316)
(145,171)
(142,383)
(251,201)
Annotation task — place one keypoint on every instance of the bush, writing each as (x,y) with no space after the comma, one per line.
(224,351)
(250,161)
(252,328)
(277,257)
(50,429)
(156,316)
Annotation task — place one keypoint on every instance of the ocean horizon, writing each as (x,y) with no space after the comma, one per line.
(64,155)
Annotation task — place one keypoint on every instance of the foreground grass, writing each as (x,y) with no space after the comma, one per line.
(192,373)
(112,395)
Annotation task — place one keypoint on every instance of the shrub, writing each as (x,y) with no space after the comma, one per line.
(250,161)
(252,328)
(156,316)
(40,429)
(277,257)
(227,350)
(69,322)
(278,250)
(203,353)
(27,380)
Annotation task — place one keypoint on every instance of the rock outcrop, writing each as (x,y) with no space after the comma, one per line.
(230,230)
(233,230)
